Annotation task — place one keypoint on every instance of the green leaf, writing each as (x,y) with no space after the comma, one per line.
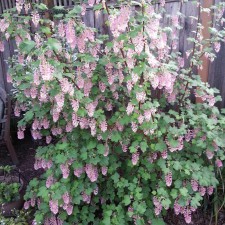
(161,146)
(174,193)
(141,208)
(127,200)
(59,159)
(26,46)
(29,116)
(54,44)
(177,165)
(116,137)
(101,148)
(75,10)
(144,146)
(98,7)
(115,177)
(184,191)
(157,222)
(46,30)
(41,6)
(91,144)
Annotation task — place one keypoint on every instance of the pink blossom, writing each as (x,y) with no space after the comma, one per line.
(78,172)
(69,209)
(104,170)
(49,181)
(135,158)
(210,190)
(103,126)
(91,3)
(209,154)
(53,204)
(65,170)
(86,198)
(217,46)
(46,70)
(177,208)
(130,108)
(219,163)
(164,154)
(134,127)
(26,205)
(140,96)
(202,190)
(61,29)
(95,191)
(66,198)
(187,215)
(83,9)
(20,134)
(168,178)
(70,34)
(35,18)
(92,172)
(194,185)
(102,86)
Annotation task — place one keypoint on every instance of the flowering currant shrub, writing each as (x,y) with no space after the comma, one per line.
(124,140)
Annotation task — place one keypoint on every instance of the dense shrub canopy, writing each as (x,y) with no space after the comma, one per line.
(124,140)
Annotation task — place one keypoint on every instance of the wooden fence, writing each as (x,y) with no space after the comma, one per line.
(96,19)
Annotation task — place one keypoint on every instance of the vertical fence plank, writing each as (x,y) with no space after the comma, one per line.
(6,4)
(216,70)
(9,4)
(1,8)
(13,3)
(65,3)
(55,2)
(2,80)
(3,5)
(70,2)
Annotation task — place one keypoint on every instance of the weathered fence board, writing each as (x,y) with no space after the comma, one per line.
(216,71)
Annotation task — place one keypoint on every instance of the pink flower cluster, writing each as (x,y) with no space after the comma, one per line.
(53,221)
(169,179)
(179,147)
(65,170)
(119,23)
(92,172)
(35,18)
(46,70)
(54,207)
(201,189)
(42,164)
(158,205)
(50,181)
(67,203)
(78,172)
(186,211)
(206,97)
(86,198)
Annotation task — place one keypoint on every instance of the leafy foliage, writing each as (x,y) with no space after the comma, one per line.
(125,142)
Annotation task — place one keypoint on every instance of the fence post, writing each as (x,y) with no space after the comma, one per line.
(50,5)
(206,22)
(206,19)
